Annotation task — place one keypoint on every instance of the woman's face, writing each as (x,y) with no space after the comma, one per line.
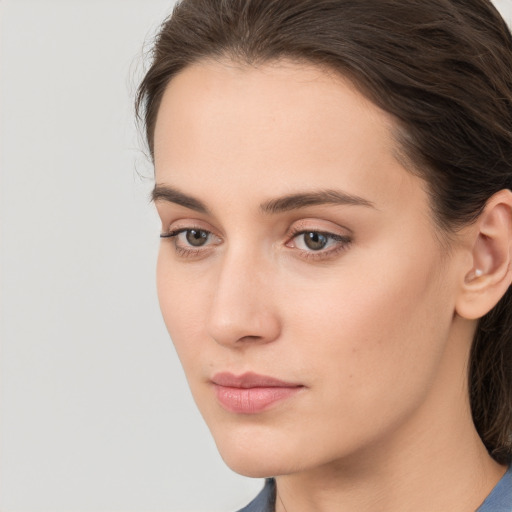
(307,295)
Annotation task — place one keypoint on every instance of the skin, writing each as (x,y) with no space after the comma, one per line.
(368,326)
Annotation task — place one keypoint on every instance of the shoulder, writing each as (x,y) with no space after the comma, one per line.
(500,499)
(265,501)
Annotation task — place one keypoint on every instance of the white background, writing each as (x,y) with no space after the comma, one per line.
(95,412)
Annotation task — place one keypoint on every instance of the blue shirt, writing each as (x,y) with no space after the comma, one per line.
(500,499)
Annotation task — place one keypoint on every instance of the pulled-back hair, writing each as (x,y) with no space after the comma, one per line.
(442,68)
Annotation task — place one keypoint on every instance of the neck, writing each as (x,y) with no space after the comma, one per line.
(433,461)
(419,483)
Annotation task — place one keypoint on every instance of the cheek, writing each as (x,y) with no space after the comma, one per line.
(181,299)
(366,336)
(375,335)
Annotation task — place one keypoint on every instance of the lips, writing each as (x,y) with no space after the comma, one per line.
(251,393)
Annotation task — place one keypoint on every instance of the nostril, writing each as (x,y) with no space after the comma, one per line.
(250,338)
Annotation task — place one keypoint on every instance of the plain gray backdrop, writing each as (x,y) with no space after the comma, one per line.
(95,412)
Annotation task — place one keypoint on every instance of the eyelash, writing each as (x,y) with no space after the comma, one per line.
(341,243)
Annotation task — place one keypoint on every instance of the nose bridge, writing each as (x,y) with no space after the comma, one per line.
(242,307)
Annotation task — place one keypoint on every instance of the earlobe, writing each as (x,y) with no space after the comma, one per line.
(491,255)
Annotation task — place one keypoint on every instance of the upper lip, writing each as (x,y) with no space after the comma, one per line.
(250,380)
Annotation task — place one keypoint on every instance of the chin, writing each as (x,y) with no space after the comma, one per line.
(258,452)
(254,465)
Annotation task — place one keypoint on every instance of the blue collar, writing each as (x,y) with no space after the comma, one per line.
(500,499)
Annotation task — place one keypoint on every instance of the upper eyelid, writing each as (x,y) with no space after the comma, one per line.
(299,231)
(312,224)
(342,234)
(169,233)
(184,225)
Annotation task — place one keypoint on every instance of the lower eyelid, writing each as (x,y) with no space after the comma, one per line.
(181,251)
(325,254)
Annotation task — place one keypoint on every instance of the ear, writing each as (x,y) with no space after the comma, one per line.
(490,269)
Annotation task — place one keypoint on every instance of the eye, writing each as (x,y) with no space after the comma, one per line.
(318,244)
(196,237)
(314,240)
(191,241)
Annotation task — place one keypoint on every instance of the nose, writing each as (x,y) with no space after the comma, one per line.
(242,309)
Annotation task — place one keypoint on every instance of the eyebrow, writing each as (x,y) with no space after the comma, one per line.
(281,204)
(173,195)
(315,198)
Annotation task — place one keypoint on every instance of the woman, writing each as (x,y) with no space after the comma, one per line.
(333,179)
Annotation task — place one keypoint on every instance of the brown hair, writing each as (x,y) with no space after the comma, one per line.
(442,68)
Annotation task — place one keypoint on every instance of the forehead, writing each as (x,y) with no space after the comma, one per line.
(274,128)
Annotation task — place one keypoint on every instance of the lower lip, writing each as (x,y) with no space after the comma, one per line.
(252,400)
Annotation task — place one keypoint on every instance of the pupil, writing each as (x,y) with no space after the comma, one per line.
(315,241)
(196,237)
